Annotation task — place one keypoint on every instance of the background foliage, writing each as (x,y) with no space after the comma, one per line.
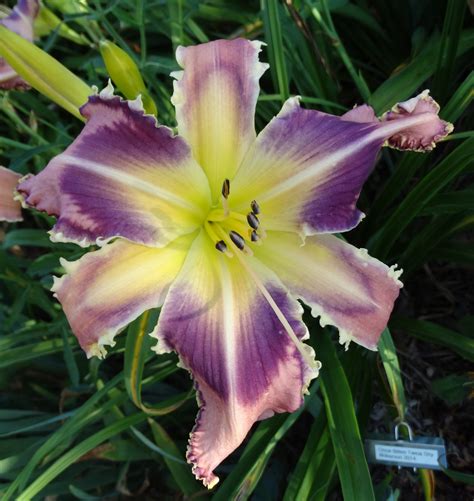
(86,429)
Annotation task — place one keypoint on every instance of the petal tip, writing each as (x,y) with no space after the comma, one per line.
(423,127)
(208,479)
(34,193)
(195,453)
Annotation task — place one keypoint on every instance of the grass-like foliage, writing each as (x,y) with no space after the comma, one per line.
(89,429)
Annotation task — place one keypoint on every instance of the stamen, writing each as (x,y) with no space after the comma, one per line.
(226,188)
(225,196)
(238,239)
(225,206)
(255,207)
(221,246)
(253,221)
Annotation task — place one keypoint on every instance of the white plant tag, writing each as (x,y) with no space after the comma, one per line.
(420,452)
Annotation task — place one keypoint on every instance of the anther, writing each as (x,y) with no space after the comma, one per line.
(225,196)
(255,207)
(226,188)
(237,239)
(221,246)
(253,221)
(254,236)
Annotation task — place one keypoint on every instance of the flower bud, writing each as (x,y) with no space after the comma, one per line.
(125,74)
(43,72)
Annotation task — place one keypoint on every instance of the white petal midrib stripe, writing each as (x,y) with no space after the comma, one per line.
(127,180)
(383,131)
(229,332)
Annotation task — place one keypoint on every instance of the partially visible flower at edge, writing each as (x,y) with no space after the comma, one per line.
(20,21)
(225,230)
(10,209)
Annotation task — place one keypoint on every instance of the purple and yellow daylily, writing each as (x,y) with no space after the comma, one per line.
(20,20)
(226,231)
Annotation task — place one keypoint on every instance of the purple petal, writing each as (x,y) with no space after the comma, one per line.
(105,290)
(243,362)
(10,209)
(21,22)
(215,98)
(342,284)
(123,176)
(306,169)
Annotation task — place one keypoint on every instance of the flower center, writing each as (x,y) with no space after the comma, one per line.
(228,230)
(225,226)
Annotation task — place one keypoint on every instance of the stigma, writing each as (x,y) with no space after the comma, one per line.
(232,230)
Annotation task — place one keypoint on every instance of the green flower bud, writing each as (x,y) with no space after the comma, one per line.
(125,74)
(43,72)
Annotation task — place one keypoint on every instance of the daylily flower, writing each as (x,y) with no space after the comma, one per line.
(10,209)
(20,20)
(225,230)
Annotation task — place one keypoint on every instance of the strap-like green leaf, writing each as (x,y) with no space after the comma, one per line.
(76,452)
(388,354)
(352,465)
